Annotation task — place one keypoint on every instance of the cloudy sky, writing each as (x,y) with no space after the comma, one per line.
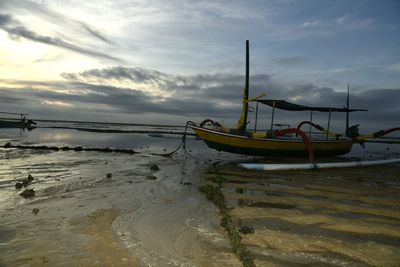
(170,61)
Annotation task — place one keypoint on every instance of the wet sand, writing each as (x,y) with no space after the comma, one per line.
(107,209)
(78,241)
(336,217)
(115,209)
(72,224)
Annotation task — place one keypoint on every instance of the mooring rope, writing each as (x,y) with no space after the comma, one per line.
(182,144)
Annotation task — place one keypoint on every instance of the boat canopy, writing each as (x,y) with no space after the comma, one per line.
(282,104)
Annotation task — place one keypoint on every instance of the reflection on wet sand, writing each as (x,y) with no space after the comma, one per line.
(94,208)
(68,222)
(102,209)
(102,247)
(336,217)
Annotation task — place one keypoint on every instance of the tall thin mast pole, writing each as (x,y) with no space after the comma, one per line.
(347,112)
(309,131)
(246,89)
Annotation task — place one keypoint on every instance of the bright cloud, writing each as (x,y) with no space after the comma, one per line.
(57,103)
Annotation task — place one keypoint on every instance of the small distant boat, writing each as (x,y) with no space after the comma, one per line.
(276,142)
(22,123)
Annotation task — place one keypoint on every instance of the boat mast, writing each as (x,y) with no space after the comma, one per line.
(347,112)
(246,89)
(242,123)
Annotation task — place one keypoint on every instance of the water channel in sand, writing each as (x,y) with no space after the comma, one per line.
(156,217)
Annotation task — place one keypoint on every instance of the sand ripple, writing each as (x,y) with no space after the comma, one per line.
(344,217)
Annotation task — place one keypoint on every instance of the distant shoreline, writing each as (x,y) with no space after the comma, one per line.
(113,123)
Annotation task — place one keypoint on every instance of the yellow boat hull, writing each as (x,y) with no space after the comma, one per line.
(269,146)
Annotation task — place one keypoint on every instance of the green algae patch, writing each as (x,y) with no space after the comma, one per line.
(214,194)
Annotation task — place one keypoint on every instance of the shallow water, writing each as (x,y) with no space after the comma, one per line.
(134,216)
(150,217)
(338,217)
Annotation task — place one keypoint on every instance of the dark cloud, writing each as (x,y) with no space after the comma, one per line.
(95,33)
(193,97)
(5,19)
(122,74)
(104,99)
(213,89)
(42,11)
(383,104)
(8,97)
(16,30)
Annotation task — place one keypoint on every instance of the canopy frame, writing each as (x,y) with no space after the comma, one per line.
(285,105)
(289,106)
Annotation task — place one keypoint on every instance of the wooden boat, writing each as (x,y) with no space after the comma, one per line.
(17,123)
(269,146)
(286,142)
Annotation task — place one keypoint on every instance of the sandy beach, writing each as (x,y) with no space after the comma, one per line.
(92,208)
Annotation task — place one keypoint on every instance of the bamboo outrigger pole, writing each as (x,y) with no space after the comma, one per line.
(308,166)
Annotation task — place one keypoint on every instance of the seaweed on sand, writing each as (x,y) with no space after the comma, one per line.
(215,194)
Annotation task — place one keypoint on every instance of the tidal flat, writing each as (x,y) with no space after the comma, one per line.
(105,208)
(333,217)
